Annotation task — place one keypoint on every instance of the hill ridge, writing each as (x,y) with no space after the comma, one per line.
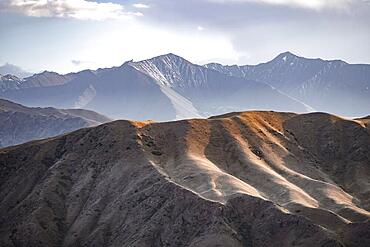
(238,168)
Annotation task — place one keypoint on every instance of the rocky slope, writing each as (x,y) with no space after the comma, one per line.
(20,124)
(240,179)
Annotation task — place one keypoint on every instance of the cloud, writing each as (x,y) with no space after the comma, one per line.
(76,62)
(141,6)
(113,46)
(76,9)
(310,4)
(235,31)
(257,30)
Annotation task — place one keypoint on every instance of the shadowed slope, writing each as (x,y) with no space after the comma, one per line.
(241,179)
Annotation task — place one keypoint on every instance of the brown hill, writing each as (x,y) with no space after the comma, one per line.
(240,179)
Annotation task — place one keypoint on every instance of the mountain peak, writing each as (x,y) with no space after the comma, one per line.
(47,72)
(288,53)
(286,56)
(172,55)
(128,62)
(168,56)
(290,57)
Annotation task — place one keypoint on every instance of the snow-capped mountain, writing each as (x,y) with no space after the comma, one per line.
(162,88)
(9,82)
(10,69)
(212,92)
(285,72)
(333,86)
(169,87)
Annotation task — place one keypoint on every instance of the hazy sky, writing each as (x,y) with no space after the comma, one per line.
(71,35)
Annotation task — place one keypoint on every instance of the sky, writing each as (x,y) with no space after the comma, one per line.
(72,35)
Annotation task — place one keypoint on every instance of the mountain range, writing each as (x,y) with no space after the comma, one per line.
(19,124)
(169,87)
(241,179)
(237,178)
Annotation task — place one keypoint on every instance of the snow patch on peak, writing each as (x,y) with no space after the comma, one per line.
(286,56)
(149,68)
(183,107)
(167,69)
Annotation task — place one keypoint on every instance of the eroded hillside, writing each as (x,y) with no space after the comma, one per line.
(240,179)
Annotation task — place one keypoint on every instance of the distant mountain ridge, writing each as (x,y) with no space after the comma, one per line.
(19,124)
(166,87)
(332,86)
(210,92)
(169,87)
